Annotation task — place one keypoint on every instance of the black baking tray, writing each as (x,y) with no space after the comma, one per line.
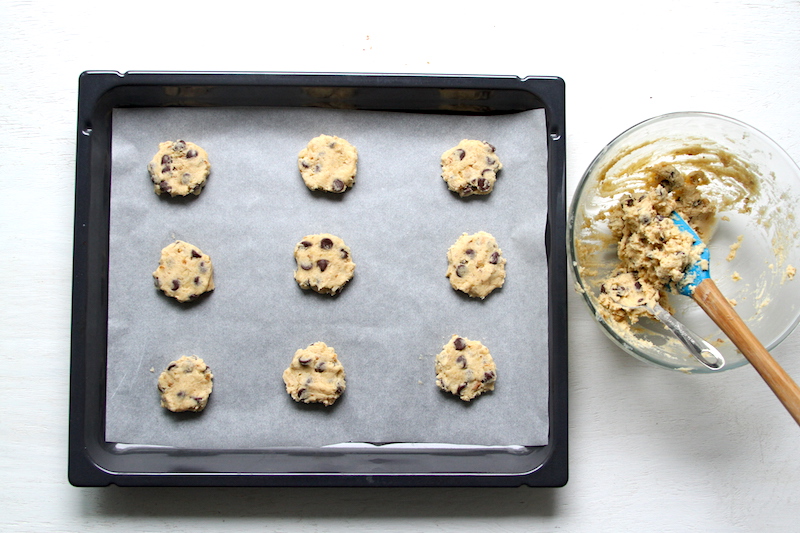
(95,462)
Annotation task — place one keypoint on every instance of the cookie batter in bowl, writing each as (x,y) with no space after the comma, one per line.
(653,252)
(735,186)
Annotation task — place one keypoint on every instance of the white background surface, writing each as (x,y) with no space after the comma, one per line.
(649,450)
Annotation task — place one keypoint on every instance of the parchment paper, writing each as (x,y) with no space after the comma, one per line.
(387,325)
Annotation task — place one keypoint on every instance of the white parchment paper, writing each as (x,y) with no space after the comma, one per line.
(389,322)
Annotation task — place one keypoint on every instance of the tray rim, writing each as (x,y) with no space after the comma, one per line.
(99,93)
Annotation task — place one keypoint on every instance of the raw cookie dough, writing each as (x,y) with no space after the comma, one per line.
(315,375)
(476,264)
(184,272)
(179,168)
(653,252)
(328,163)
(471,167)
(465,368)
(186,384)
(324,263)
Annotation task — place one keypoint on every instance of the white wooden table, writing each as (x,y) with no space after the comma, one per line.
(650,450)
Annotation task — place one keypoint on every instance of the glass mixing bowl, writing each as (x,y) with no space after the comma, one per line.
(754,242)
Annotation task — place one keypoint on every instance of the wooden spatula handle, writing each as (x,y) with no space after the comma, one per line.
(708,296)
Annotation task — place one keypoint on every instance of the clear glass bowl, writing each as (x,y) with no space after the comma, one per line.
(754,246)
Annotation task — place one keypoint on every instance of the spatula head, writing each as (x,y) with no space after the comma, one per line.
(697,271)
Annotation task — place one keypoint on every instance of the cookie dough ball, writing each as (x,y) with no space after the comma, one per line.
(465,368)
(475,264)
(328,163)
(324,263)
(315,375)
(179,168)
(626,296)
(471,168)
(186,384)
(184,272)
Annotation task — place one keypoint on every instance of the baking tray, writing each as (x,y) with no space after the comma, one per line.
(93,461)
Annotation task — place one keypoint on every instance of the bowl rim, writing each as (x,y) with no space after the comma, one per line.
(570,227)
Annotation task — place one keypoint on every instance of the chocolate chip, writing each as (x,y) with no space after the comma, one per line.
(304,360)
(322,264)
(166,159)
(470,252)
(179,145)
(483,184)
(462,361)
(197,280)
(180,394)
(490,161)
(305,244)
(176,284)
(164,186)
(461,271)
(494,258)
(460,153)
(338,185)
(488,376)
(326,243)
(320,367)
(170,367)
(459,343)
(301,393)
(198,400)
(196,254)
(339,389)
(344,253)
(603,288)
(165,168)
(492,148)
(304,163)
(460,388)
(191,153)
(638,286)
(306,266)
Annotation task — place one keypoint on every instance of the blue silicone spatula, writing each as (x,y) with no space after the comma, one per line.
(698,285)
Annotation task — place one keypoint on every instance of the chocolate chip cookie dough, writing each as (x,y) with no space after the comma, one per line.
(315,375)
(179,168)
(653,252)
(186,384)
(328,163)
(471,167)
(465,368)
(184,272)
(324,263)
(475,264)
